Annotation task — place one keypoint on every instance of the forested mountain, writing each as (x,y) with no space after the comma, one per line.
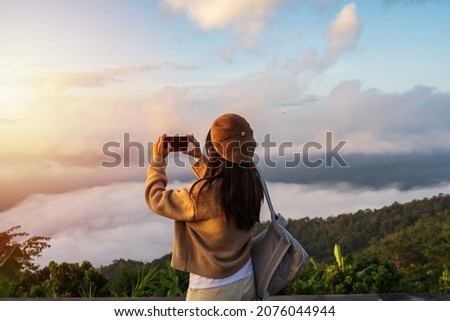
(413,233)
(355,231)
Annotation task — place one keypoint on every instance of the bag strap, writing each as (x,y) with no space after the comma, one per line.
(274,216)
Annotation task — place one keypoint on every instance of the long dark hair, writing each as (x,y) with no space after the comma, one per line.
(241,191)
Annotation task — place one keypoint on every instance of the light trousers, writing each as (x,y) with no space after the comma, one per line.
(241,290)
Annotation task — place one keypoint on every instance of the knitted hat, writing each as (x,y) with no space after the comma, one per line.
(232,137)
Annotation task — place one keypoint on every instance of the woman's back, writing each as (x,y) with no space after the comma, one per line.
(213,217)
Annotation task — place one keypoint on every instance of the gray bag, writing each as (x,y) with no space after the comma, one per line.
(276,255)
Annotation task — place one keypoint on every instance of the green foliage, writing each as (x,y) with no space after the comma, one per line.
(9,269)
(123,276)
(399,248)
(29,284)
(172,282)
(74,280)
(17,256)
(29,248)
(147,280)
(339,257)
(444,280)
(344,278)
(145,283)
(355,232)
(61,280)
(425,242)
(420,253)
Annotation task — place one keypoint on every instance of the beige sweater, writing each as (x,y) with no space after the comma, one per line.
(203,243)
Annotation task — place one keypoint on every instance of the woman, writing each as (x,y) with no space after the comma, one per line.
(215,215)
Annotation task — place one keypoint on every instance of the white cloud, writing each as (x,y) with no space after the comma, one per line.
(343,32)
(246,19)
(245,16)
(342,36)
(377,122)
(370,120)
(105,223)
(373,122)
(98,224)
(55,80)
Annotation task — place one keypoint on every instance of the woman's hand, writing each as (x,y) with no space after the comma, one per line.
(160,150)
(196,151)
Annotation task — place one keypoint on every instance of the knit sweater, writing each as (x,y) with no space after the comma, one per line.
(204,244)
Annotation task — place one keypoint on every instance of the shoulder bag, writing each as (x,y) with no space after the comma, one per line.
(277,256)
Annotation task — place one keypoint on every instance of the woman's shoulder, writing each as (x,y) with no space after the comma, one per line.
(206,185)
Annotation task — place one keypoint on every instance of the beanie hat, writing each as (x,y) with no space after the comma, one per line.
(232,137)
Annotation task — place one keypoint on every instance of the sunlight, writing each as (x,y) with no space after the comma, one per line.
(11,97)
(17,88)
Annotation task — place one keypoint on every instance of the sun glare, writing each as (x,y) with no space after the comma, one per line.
(11,97)
(18,88)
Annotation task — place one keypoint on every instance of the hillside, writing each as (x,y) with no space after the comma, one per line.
(355,231)
(399,248)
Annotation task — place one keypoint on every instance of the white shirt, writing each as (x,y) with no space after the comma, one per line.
(200,282)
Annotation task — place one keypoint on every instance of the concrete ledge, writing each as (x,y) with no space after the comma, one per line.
(337,297)
(365,297)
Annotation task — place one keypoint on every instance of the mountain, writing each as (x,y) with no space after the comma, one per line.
(355,231)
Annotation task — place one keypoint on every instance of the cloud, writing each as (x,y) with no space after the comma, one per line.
(377,122)
(99,224)
(9,121)
(245,19)
(342,36)
(19,181)
(59,81)
(375,171)
(105,223)
(372,121)
(53,154)
(343,32)
(55,81)
(246,16)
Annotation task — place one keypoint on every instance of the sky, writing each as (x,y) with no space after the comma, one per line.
(86,83)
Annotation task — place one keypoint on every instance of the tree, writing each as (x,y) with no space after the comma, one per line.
(17,256)
(75,280)
(24,251)
(425,242)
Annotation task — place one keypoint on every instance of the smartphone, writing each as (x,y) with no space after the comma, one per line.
(177,143)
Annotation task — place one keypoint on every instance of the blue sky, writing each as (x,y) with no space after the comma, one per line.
(77,74)
(400,45)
